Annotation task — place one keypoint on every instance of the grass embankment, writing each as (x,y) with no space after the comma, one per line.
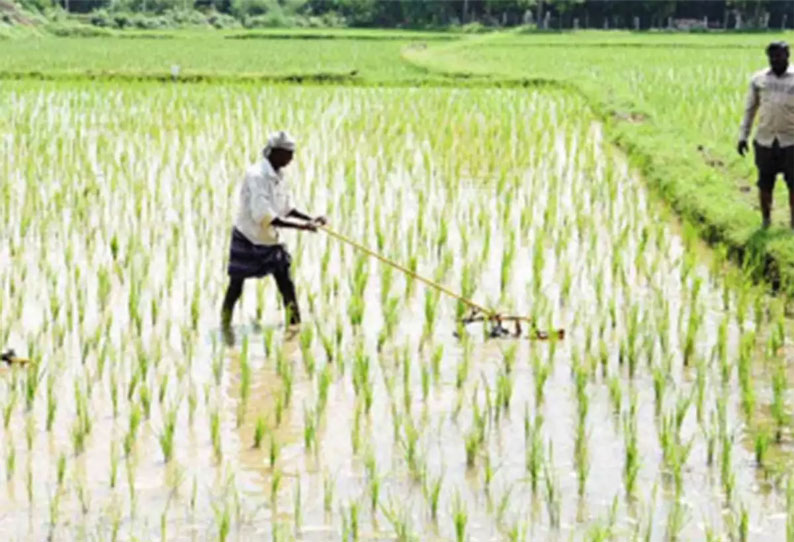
(675,111)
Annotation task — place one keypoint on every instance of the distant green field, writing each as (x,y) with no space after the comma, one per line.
(369,56)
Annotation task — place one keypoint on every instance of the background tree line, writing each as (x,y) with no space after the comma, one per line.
(545,14)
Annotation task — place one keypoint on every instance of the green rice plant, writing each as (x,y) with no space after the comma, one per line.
(676,519)
(259,431)
(504,389)
(163,389)
(223,522)
(744,524)
(215,434)
(328,346)
(60,470)
(615,393)
(296,508)
(328,493)
(472,445)
(192,403)
(462,371)
(410,443)
(33,378)
(275,484)
(268,337)
(275,450)
(373,479)
(400,521)
(146,401)
(541,372)
(761,446)
(353,515)
(533,432)
(778,406)
(8,407)
(309,428)
(30,431)
(435,360)
(134,422)
(432,491)
(509,357)
(632,453)
(425,376)
(659,386)
(581,457)
(603,357)
(508,256)
(552,492)
(406,365)
(467,289)
(632,334)
(459,517)
(431,310)
(11,459)
(114,463)
(727,475)
(166,438)
(306,338)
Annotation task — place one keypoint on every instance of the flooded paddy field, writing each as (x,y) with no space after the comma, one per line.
(662,415)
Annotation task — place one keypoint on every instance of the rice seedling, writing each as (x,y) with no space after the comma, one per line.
(274,451)
(632,460)
(275,485)
(761,446)
(459,517)
(167,436)
(778,406)
(309,428)
(215,434)
(52,405)
(223,523)
(552,493)
(534,460)
(259,431)
(297,507)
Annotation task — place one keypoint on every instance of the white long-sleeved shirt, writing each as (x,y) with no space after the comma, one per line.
(264,196)
(773,98)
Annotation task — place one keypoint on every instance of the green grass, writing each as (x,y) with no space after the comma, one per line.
(209,55)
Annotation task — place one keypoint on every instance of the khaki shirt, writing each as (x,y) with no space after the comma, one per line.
(773,98)
(263,197)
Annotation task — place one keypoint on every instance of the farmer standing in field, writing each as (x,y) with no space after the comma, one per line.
(772,92)
(256,250)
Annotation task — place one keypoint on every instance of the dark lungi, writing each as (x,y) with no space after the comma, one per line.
(773,160)
(248,260)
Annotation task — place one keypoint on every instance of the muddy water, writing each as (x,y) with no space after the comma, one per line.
(143,204)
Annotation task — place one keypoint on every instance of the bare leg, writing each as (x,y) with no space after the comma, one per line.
(287,289)
(765,198)
(233,293)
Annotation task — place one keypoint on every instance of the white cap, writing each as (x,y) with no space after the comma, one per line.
(279,140)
